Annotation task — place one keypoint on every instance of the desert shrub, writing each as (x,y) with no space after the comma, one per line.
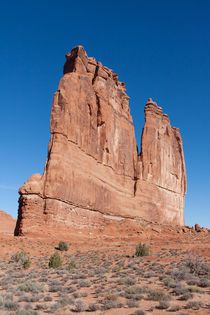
(54,282)
(163,305)
(194,288)
(158,295)
(54,307)
(179,289)
(204,283)
(63,246)
(84,284)
(76,295)
(41,306)
(180,273)
(12,306)
(194,305)
(136,297)
(168,282)
(22,259)
(65,300)
(108,304)
(149,275)
(43,279)
(133,290)
(127,281)
(142,250)
(111,297)
(192,281)
(72,265)
(80,306)
(78,276)
(55,261)
(116,268)
(8,296)
(56,288)
(174,308)
(70,289)
(132,303)
(186,296)
(197,265)
(26,298)
(93,307)
(32,286)
(48,298)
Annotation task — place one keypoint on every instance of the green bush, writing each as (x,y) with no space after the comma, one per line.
(72,265)
(32,286)
(193,288)
(158,295)
(55,261)
(63,246)
(22,259)
(142,250)
(134,289)
(127,281)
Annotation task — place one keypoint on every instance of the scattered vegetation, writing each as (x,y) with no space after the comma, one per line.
(22,259)
(195,305)
(109,278)
(163,305)
(197,265)
(72,265)
(32,286)
(158,295)
(142,250)
(63,246)
(55,261)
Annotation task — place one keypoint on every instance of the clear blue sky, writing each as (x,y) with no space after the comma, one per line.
(160,49)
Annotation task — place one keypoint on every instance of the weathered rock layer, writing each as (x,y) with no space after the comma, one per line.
(7,223)
(93,172)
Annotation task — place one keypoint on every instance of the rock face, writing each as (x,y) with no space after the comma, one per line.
(93,172)
(7,223)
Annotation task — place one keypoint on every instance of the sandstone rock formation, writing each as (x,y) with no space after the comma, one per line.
(7,223)
(93,172)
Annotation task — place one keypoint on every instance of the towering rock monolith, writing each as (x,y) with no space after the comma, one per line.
(93,171)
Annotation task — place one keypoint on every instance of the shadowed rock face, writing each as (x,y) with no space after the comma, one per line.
(93,172)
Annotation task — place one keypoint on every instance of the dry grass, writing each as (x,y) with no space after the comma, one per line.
(109,279)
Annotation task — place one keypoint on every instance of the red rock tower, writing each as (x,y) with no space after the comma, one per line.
(93,172)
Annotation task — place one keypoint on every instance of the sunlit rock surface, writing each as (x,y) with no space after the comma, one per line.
(93,172)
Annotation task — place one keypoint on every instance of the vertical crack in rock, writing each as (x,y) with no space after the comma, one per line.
(100,121)
(135,186)
(93,168)
(90,110)
(95,75)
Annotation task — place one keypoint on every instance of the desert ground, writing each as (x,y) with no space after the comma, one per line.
(101,274)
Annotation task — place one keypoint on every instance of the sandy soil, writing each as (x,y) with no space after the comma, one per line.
(100,273)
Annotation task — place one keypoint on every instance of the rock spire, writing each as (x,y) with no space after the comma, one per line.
(93,172)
